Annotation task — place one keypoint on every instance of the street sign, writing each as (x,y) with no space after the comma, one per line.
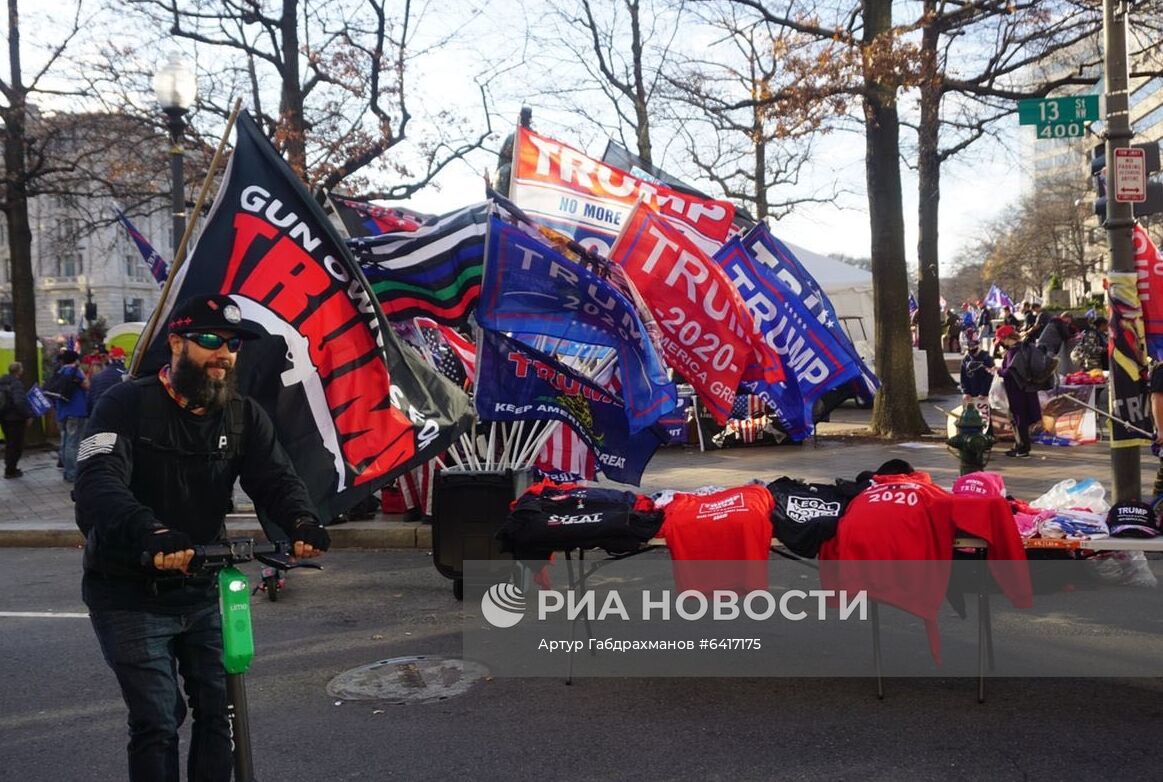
(1130,180)
(1061,130)
(1054,111)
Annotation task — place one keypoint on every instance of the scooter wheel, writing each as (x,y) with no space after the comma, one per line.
(458,588)
(271,586)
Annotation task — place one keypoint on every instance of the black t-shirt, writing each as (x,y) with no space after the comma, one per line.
(806,515)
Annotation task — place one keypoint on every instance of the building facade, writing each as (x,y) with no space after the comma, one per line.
(74,264)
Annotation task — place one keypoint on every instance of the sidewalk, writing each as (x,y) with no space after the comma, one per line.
(37,510)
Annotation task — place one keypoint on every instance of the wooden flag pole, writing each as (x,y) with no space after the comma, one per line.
(147,334)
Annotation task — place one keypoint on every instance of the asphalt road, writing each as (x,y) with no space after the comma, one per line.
(61,717)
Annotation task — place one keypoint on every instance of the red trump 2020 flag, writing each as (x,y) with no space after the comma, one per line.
(708,335)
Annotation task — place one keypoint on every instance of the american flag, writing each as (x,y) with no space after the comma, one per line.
(566,452)
(416,486)
(450,352)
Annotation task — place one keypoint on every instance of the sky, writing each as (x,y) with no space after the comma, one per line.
(450,64)
(975,186)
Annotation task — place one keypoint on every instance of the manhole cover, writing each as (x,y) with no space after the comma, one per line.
(402,680)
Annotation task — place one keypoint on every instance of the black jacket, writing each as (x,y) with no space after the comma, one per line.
(18,409)
(145,463)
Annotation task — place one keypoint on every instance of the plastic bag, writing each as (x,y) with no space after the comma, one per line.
(1124,568)
(997,396)
(1088,495)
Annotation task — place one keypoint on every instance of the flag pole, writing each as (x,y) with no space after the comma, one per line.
(147,334)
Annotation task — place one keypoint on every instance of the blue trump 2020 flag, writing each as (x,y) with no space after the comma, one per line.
(530,288)
(514,382)
(770,251)
(812,354)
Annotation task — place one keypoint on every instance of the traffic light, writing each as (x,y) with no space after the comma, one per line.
(1154,202)
(91,310)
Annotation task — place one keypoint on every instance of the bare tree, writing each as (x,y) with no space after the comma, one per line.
(340,70)
(887,62)
(622,50)
(755,152)
(1044,235)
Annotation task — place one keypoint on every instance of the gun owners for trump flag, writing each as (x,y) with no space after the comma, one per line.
(351,407)
(708,335)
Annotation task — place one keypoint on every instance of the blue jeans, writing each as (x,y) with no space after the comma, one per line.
(70,442)
(147,651)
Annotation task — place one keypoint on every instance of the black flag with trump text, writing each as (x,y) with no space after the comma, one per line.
(352,407)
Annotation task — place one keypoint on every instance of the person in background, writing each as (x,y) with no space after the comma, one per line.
(157,467)
(1056,340)
(985,327)
(1035,329)
(976,373)
(15,417)
(1027,316)
(72,413)
(1091,351)
(1025,409)
(1008,318)
(111,375)
(952,332)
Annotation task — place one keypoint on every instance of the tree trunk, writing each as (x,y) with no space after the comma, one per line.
(929,313)
(641,109)
(291,101)
(16,210)
(895,412)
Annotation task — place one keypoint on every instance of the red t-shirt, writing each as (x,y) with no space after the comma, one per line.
(733,525)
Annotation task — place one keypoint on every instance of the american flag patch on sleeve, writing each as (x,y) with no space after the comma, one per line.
(96,444)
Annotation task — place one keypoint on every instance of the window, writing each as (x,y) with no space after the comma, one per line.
(135,268)
(6,315)
(66,312)
(69,265)
(134,310)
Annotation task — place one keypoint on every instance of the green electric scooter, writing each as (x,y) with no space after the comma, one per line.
(237,635)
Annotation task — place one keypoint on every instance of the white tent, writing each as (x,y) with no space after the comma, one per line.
(849,288)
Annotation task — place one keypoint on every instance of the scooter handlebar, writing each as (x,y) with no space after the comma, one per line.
(215,556)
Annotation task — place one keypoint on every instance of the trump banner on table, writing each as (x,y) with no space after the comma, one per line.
(591,201)
(707,334)
(351,407)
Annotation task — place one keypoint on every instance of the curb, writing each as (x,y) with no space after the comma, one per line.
(352,535)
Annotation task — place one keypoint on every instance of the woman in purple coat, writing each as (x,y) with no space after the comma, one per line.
(1024,406)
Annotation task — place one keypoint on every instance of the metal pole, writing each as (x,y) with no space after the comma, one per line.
(1120,223)
(239,716)
(177,128)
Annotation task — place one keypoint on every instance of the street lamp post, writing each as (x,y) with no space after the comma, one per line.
(176,88)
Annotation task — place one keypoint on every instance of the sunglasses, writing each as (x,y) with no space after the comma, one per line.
(213,341)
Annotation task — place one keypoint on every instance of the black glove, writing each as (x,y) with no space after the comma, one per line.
(165,541)
(312,533)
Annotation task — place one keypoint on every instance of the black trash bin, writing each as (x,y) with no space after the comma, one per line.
(468,509)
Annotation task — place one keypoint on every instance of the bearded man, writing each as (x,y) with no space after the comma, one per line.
(156,469)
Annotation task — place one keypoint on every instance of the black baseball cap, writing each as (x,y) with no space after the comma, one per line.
(1133,519)
(207,313)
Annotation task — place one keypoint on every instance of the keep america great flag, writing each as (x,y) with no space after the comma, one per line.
(352,408)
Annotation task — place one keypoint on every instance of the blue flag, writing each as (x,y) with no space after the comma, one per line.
(812,354)
(157,265)
(517,383)
(531,289)
(996,298)
(912,303)
(770,251)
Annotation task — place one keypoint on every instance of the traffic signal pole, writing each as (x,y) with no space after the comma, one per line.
(1125,464)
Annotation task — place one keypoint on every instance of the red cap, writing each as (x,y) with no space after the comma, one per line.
(1003,332)
(116,352)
